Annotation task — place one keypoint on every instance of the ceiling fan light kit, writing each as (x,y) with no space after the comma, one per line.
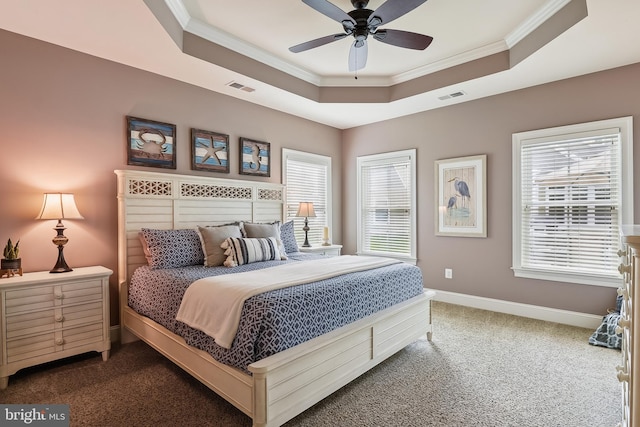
(361,22)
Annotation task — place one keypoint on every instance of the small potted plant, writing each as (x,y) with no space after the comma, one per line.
(11,260)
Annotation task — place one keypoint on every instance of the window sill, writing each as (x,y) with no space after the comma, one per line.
(579,278)
(407,259)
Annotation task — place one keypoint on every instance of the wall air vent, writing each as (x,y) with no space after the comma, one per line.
(452,95)
(242,87)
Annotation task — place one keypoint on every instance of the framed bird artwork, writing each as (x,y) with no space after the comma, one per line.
(461,196)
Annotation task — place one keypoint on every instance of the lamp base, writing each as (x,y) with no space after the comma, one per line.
(60,240)
(306,234)
(61,265)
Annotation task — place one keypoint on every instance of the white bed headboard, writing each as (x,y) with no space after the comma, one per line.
(171,201)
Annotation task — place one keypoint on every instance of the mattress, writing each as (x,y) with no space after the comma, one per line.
(276,320)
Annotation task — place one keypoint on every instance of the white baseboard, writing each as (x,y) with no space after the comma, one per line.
(573,318)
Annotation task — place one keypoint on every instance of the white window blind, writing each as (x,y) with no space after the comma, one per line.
(570,205)
(307,179)
(386,213)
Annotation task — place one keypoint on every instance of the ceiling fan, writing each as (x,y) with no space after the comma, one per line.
(361,22)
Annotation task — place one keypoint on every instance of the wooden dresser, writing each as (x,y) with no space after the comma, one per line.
(629,370)
(47,316)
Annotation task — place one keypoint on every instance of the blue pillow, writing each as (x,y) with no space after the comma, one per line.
(288,237)
(172,248)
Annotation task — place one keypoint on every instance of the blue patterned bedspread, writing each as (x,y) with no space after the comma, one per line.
(277,320)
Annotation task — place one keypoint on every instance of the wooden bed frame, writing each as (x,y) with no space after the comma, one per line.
(285,384)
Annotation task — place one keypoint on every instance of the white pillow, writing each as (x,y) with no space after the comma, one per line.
(253,229)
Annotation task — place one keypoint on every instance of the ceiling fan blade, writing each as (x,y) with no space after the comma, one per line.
(404,39)
(358,56)
(390,10)
(332,11)
(316,43)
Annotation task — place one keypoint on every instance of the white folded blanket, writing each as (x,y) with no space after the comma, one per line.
(213,305)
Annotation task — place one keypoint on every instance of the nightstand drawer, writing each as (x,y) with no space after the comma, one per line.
(81,314)
(44,344)
(35,298)
(30,323)
(32,346)
(50,320)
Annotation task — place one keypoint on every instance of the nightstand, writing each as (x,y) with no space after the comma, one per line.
(48,316)
(331,250)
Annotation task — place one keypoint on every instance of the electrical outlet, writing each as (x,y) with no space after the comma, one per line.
(448,273)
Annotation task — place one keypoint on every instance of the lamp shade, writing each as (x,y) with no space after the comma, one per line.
(59,206)
(306,210)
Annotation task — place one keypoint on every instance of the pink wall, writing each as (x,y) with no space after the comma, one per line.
(481,267)
(62,121)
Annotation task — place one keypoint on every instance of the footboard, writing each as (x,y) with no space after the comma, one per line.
(285,384)
(288,383)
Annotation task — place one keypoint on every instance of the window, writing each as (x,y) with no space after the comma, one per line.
(572,191)
(386,205)
(308,179)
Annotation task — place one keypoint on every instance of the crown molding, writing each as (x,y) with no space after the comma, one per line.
(451,61)
(180,12)
(534,21)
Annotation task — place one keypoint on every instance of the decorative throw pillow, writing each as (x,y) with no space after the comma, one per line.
(240,251)
(260,230)
(172,248)
(211,239)
(287,235)
(145,247)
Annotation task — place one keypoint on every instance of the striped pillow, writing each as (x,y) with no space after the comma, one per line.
(241,250)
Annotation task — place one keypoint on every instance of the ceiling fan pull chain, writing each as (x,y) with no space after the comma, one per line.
(356,65)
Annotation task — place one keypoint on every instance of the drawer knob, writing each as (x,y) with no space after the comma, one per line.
(623,293)
(59,341)
(623,376)
(621,252)
(624,322)
(624,268)
(59,295)
(59,318)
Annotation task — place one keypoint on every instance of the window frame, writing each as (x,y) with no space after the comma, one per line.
(315,225)
(363,161)
(625,126)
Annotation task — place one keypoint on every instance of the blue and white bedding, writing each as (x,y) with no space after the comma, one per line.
(276,320)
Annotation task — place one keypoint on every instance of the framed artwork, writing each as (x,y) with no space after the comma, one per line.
(255,157)
(151,143)
(209,151)
(461,196)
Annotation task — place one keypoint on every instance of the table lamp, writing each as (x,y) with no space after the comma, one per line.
(305,209)
(59,206)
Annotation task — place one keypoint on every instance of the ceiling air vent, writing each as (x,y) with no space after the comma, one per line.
(451,95)
(237,85)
